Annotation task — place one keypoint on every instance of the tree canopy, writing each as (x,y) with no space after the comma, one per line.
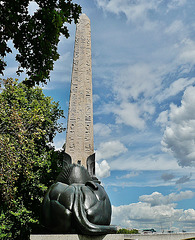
(127,231)
(35,36)
(28,123)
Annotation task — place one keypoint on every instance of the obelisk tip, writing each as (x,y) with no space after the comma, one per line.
(83,16)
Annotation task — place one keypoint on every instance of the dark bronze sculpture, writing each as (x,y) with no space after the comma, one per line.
(77,203)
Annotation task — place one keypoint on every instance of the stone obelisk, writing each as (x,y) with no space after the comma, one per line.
(79,136)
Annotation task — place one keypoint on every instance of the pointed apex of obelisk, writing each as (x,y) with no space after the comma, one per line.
(83,17)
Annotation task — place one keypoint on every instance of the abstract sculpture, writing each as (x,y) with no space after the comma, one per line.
(77,204)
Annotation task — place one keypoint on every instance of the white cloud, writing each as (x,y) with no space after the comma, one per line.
(186,56)
(102,169)
(101,129)
(188,216)
(129,114)
(155,211)
(136,80)
(157,199)
(175,88)
(176,3)
(162,118)
(135,11)
(146,161)
(175,27)
(141,215)
(110,149)
(138,86)
(155,63)
(134,87)
(179,135)
(128,175)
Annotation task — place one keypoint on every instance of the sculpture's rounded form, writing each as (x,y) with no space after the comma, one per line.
(77,204)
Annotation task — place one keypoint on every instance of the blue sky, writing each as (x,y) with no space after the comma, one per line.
(143,59)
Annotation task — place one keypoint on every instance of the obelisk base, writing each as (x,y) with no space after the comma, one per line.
(152,236)
(77,237)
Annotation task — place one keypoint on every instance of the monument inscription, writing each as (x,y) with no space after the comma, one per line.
(79,136)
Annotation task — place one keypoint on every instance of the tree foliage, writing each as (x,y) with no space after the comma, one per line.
(35,36)
(28,123)
(127,231)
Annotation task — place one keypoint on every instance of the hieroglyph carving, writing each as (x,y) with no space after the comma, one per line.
(79,137)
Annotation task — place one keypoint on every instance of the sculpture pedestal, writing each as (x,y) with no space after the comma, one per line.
(77,237)
(154,236)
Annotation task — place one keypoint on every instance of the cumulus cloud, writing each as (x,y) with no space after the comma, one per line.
(179,135)
(110,149)
(102,169)
(162,118)
(155,210)
(157,199)
(141,215)
(188,216)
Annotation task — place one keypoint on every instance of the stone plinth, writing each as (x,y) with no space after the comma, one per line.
(173,236)
(77,237)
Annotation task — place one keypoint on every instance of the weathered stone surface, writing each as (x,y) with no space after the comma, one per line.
(77,237)
(159,236)
(79,136)
(174,236)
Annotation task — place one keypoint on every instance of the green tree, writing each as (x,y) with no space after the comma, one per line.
(28,123)
(35,37)
(126,231)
